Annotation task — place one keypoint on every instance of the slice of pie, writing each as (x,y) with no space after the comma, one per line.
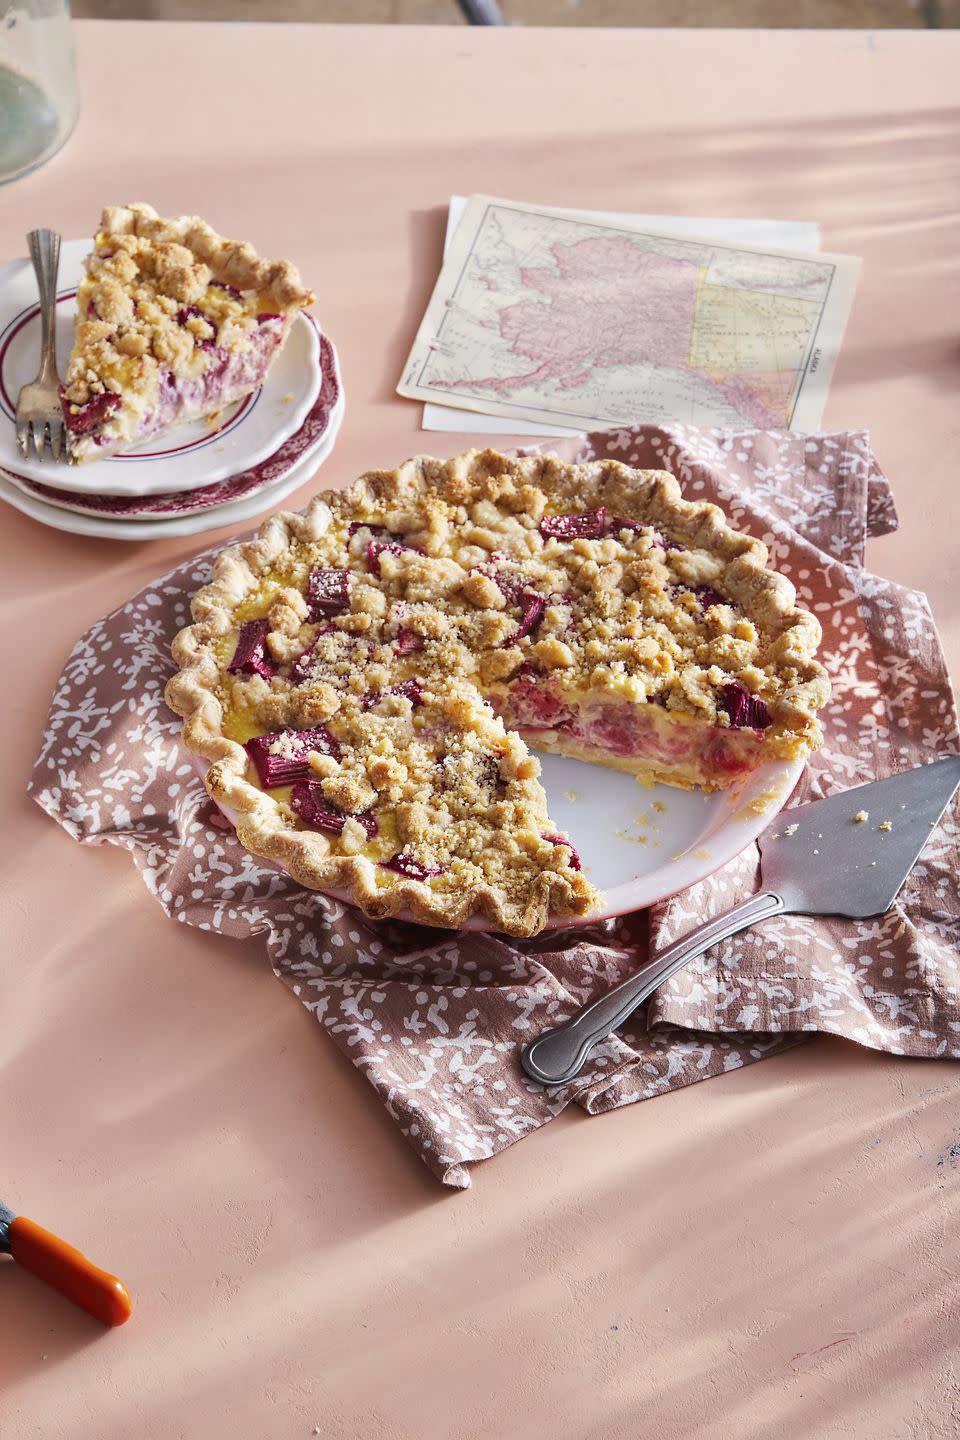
(173,324)
(365,679)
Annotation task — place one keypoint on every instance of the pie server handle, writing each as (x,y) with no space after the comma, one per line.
(559,1054)
(68,1270)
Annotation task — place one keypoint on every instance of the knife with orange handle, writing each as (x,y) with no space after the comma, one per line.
(64,1268)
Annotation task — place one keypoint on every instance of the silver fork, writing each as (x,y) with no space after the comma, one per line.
(39,415)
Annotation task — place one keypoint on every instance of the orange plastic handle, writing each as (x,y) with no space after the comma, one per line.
(67,1270)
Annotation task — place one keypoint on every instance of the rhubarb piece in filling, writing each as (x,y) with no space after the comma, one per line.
(173,324)
(396,658)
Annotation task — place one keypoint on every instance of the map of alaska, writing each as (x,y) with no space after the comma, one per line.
(606,302)
(585,322)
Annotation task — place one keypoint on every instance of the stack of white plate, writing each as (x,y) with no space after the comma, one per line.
(198,477)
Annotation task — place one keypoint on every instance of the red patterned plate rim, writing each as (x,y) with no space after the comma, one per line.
(239,486)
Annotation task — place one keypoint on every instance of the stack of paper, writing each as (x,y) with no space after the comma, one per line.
(555,321)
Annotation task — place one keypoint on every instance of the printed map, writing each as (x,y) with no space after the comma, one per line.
(549,317)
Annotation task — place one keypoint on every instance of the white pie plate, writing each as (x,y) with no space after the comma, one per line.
(235,512)
(184,459)
(638,845)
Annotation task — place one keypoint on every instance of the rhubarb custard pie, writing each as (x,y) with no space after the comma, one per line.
(365,679)
(173,324)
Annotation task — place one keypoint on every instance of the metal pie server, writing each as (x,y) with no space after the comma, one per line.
(818,859)
(66,1269)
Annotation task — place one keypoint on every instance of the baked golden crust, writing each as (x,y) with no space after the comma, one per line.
(456,576)
(209,255)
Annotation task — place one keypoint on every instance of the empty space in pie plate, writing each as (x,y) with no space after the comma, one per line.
(639,844)
(184,458)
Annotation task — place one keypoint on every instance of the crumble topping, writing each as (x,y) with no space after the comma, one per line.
(624,615)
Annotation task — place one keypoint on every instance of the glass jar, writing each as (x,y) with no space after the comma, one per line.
(38,83)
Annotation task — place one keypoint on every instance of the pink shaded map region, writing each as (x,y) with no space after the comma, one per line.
(608,302)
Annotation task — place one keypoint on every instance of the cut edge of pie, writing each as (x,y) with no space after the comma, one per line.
(173,323)
(645,519)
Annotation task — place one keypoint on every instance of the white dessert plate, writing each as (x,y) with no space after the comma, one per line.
(265,497)
(324,414)
(190,456)
(639,846)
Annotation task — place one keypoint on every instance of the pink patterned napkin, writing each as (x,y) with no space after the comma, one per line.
(435,1019)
